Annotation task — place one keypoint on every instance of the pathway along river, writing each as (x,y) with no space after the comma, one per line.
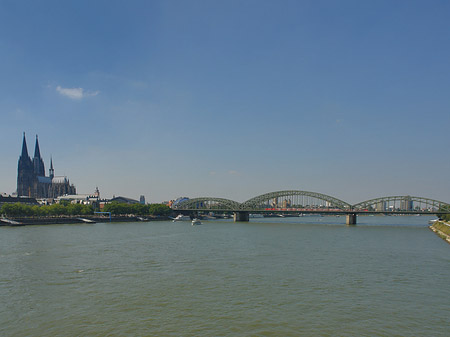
(310,276)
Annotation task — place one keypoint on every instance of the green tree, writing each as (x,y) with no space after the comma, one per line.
(140,209)
(159,209)
(17,209)
(87,210)
(57,209)
(117,208)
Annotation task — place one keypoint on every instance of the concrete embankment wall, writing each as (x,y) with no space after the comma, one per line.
(442,229)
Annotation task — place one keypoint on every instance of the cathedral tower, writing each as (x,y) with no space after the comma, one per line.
(25,172)
(38,163)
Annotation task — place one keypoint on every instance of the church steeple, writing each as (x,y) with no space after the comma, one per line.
(24,148)
(37,152)
(38,163)
(51,171)
(25,171)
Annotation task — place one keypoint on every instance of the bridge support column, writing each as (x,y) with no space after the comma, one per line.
(351,219)
(241,216)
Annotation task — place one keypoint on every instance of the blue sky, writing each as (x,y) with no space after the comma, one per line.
(229,98)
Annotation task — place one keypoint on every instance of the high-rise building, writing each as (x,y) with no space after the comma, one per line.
(380,206)
(31,179)
(406,204)
(142,200)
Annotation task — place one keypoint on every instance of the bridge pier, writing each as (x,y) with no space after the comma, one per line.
(241,216)
(351,219)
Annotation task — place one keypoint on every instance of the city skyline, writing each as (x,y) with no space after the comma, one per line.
(230,99)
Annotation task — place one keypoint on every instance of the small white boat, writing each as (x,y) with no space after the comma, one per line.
(196,222)
(181,217)
(432,221)
(86,220)
(10,222)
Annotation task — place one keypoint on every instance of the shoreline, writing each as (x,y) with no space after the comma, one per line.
(29,221)
(440,233)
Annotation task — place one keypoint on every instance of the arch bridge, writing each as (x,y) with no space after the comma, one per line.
(304,202)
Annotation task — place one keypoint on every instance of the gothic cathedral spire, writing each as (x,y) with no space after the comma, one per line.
(37,152)
(51,171)
(24,148)
(25,172)
(38,163)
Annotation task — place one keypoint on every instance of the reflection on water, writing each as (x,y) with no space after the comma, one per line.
(271,277)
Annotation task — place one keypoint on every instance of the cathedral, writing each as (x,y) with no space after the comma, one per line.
(31,179)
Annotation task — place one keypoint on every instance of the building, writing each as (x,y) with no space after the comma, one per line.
(7,199)
(124,200)
(119,199)
(406,204)
(380,206)
(32,181)
(85,199)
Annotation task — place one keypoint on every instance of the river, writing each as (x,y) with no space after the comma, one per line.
(309,276)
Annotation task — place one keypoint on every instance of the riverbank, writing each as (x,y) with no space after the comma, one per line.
(26,221)
(442,229)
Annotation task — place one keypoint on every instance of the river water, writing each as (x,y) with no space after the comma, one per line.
(309,276)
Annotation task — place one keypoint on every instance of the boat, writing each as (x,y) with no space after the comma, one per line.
(196,222)
(208,217)
(86,220)
(11,222)
(181,217)
(432,221)
(273,215)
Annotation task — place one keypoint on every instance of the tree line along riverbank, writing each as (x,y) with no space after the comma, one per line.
(68,209)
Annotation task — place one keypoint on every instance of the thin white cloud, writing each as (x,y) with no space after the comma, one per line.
(233,173)
(76,93)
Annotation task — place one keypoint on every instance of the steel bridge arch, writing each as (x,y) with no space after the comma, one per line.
(430,202)
(256,201)
(197,204)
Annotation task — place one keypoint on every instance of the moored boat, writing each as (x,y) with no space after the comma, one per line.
(181,217)
(196,222)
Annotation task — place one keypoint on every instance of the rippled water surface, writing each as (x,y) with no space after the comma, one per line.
(310,276)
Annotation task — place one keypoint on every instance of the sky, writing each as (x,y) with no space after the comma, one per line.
(229,99)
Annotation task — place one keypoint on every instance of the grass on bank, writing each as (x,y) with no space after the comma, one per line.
(442,226)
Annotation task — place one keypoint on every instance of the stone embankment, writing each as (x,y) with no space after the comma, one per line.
(24,221)
(442,229)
